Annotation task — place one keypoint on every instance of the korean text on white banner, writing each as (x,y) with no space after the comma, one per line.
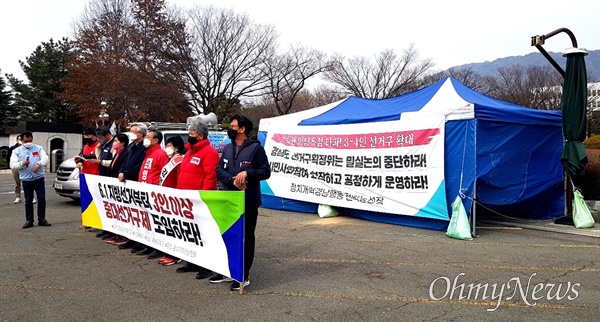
(202,227)
(392,167)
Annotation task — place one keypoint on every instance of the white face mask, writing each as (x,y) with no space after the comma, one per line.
(146,142)
(28,145)
(169,151)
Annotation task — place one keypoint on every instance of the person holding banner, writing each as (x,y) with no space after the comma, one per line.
(198,172)
(168,178)
(118,157)
(130,170)
(104,151)
(242,166)
(156,159)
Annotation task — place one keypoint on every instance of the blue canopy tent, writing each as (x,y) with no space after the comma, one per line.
(509,154)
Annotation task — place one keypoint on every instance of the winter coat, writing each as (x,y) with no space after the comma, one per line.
(250,157)
(198,168)
(134,157)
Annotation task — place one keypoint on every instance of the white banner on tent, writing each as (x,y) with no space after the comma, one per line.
(392,167)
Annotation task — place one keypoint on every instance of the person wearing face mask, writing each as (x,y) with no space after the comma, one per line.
(168,177)
(175,150)
(136,152)
(15,172)
(198,172)
(132,160)
(118,157)
(104,151)
(86,161)
(119,147)
(30,159)
(242,166)
(156,159)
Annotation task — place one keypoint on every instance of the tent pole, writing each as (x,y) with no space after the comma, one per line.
(474,204)
(474,211)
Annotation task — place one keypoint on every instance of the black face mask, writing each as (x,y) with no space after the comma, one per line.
(87,141)
(192,140)
(232,134)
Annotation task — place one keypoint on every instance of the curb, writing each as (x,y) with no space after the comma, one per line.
(552,227)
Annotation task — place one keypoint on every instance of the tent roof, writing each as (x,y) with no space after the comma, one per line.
(448,97)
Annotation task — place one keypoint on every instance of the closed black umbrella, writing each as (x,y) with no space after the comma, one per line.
(574,111)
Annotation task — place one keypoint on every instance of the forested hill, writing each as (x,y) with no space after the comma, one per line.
(592,62)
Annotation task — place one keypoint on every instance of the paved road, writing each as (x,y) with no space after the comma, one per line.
(306,269)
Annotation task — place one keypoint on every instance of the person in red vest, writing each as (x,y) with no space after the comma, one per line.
(156,159)
(168,177)
(90,144)
(198,172)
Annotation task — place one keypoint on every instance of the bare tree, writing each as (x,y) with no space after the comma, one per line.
(535,87)
(123,58)
(388,76)
(287,75)
(229,53)
(466,76)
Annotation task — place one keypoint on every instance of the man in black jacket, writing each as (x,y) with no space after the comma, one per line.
(104,151)
(242,166)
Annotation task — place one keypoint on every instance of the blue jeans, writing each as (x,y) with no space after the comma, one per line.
(39,186)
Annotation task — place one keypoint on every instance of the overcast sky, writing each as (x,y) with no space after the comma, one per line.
(451,32)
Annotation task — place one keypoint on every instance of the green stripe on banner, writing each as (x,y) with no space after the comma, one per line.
(226,207)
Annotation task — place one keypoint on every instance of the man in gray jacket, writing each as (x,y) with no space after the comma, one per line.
(30,159)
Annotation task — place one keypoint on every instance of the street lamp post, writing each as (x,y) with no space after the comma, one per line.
(103,115)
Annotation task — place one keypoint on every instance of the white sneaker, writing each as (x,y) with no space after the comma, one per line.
(17,200)
(34,200)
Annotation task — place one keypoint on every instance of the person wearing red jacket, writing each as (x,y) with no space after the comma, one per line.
(156,158)
(198,172)
(198,168)
(90,143)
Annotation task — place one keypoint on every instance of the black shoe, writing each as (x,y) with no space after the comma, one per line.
(128,244)
(145,251)
(108,235)
(204,273)
(44,223)
(137,247)
(188,268)
(155,254)
(218,278)
(28,224)
(101,233)
(235,286)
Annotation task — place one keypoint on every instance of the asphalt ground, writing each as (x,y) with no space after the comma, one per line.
(305,269)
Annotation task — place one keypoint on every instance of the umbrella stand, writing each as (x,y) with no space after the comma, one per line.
(574,106)
(538,41)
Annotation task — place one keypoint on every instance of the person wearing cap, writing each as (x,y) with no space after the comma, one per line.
(86,159)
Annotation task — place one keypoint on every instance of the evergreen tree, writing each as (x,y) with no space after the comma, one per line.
(45,69)
(8,111)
